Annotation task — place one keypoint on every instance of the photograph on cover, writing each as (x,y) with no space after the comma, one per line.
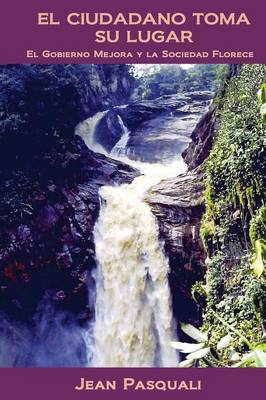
(132,215)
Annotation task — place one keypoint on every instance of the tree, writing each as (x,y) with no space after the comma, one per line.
(158,80)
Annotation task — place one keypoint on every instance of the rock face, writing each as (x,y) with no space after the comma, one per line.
(49,182)
(107,86)
(49,202)
(178,204)
(159,129)
(47,227)
(202,139)
(135,113)
(203,135)
(111,123)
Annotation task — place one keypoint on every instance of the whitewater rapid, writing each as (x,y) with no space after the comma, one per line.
(133,314)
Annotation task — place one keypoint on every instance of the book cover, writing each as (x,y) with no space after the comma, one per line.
(132,200)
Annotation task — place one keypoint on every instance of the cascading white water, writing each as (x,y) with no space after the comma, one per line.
(133,317)
(120,148)
(133,326)
(86,130)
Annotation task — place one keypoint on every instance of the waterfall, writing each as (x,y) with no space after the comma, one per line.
(120,148)
(86,130)
(133,314)
(133,322)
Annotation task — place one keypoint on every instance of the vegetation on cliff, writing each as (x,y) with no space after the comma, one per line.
(49,201)
(234,224)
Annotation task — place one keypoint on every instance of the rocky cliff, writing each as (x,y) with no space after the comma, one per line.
(223,196)
(204,133)
(158,131)
(178,204)
(47,219)
(50,181)
(107,86)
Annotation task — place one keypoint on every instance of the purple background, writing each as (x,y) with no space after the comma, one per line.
(51,384)
(19,30)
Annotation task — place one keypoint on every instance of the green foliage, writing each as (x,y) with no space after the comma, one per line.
(236,295)
(262,101)
(38,104)
(236,169)
(198,292)
(43,97)
(158,80)
(235,206)
(214,356)
(208,232)
(204,77)
(257,229)
(259,259)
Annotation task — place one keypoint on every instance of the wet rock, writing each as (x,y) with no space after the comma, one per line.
(167,134)
(46,219)
(202,139)
(49,244)
(109,130)
(204,133)
(105,88)
(178,204)
(135,113)
(159,129)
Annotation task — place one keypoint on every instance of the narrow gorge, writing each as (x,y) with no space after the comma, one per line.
(131,205)
(133,312)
